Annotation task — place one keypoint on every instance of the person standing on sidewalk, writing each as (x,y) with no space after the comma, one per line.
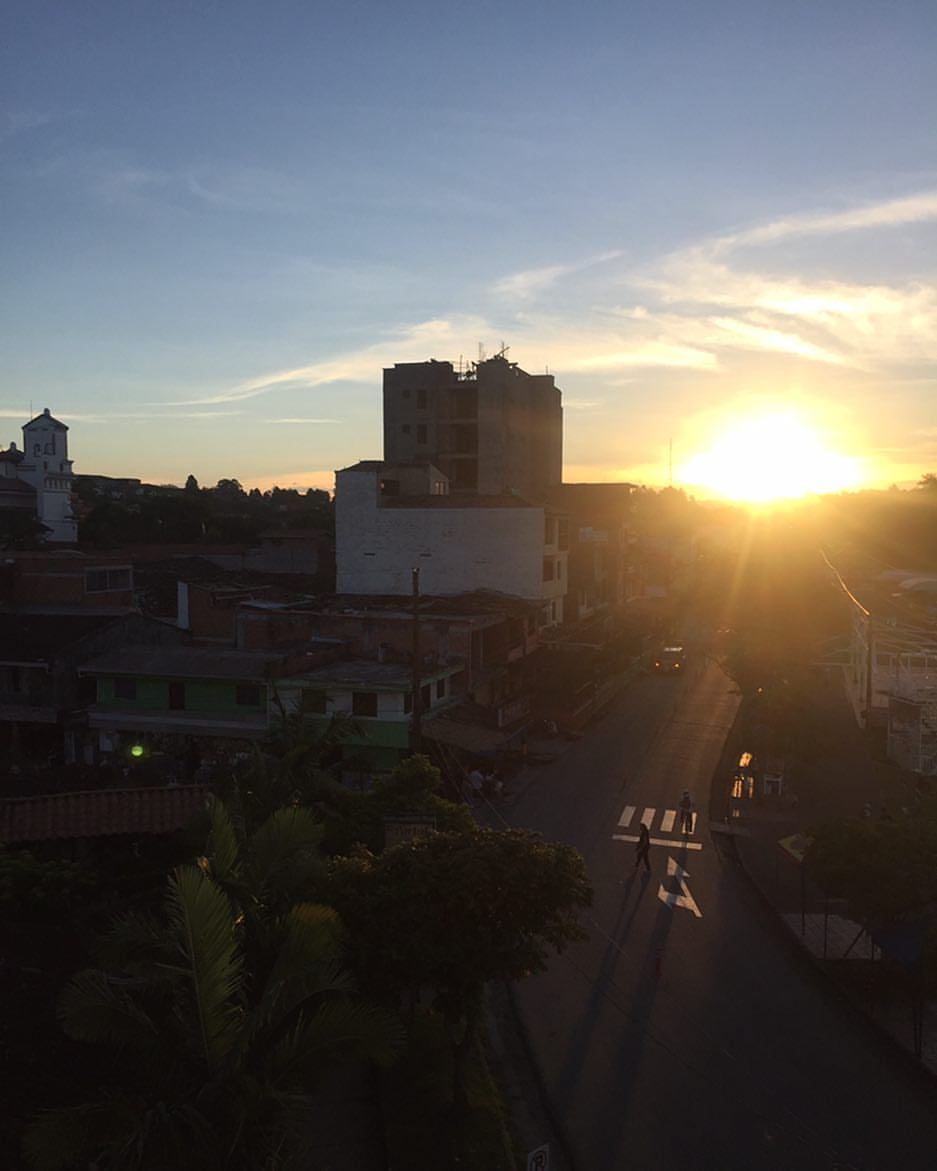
(643,850)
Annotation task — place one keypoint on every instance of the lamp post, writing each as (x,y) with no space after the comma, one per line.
(416,731)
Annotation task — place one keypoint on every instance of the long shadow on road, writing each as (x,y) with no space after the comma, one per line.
(581,1040)
(610,1118)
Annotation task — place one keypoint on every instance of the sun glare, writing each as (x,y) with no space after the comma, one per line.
(767,458)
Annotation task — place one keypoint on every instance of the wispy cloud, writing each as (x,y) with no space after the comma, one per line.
(910,209)
(300,420)
(21,121)
(520,286)
(408,344)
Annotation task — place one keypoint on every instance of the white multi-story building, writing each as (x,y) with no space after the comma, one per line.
(392,518)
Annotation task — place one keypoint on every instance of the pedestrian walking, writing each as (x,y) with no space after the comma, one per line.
(686,813)
(643,848)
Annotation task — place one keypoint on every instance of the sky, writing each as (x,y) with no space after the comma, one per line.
(220,222)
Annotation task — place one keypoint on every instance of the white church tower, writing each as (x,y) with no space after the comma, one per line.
(46,466)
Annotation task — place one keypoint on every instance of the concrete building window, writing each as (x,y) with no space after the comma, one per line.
(440,689)
(548,530)
(563,541)
(247,695)
(405,428)
(100,581)
(548,569)
(559,570)
(421,399)
(177,697)
(421,432)
(426,696)
(364,703)
(407,702)
(125,689)
(439,487)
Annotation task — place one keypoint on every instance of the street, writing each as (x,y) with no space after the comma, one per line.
(686,1033)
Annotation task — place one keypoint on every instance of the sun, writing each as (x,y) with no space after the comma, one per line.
(770,457)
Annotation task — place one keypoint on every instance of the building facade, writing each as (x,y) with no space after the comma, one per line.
(492,429)
(44,473)
(459,543)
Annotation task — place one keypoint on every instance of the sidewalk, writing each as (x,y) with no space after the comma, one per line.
(816,791)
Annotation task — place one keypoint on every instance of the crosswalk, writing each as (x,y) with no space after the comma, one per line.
(668,820)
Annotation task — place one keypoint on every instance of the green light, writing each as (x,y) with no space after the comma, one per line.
(136,750)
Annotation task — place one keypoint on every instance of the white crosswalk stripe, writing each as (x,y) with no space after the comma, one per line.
(668,820)
(625,820)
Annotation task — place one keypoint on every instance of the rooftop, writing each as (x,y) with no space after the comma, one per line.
(102,813)
(183,662)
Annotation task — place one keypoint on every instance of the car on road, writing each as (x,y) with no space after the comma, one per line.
(670,660)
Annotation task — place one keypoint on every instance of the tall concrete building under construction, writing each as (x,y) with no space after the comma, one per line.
(492,429)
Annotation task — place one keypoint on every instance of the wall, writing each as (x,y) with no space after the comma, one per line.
(200,696)
(456,549)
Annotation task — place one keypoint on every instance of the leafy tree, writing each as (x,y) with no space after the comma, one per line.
(928,482)
(885,868)
(216,1062)
(191,486)
(20,529)
(451,911)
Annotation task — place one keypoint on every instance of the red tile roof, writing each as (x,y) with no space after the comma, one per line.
(100,813)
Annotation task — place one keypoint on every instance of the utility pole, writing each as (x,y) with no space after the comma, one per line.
(416,729)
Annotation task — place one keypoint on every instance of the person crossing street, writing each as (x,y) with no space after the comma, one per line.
(686,813)
(643,848)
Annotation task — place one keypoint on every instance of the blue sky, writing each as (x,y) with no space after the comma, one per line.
(222,220)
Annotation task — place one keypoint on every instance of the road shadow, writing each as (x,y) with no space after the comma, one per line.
(577,1050)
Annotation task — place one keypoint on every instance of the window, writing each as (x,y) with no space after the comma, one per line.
(421,432)
(125,689)
(99,581)
(405,428)
(548,569)
(440,688)
(559,570)
(247,695)
(548,524)
(426,697)
(364,703)
(406,392)
(177,697)
(421,399)
(407,702)
(314,702)
(439,487)
(563,541)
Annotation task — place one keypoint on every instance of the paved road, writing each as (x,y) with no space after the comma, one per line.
(686,1034)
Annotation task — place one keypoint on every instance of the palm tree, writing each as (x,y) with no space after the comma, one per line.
(225,1013)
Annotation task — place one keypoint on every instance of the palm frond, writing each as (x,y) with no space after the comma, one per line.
(58,1139)
(224,848)
(339,1030)
(92,1007)
(202,923)
(308,965)
(134,942)
(284,838)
